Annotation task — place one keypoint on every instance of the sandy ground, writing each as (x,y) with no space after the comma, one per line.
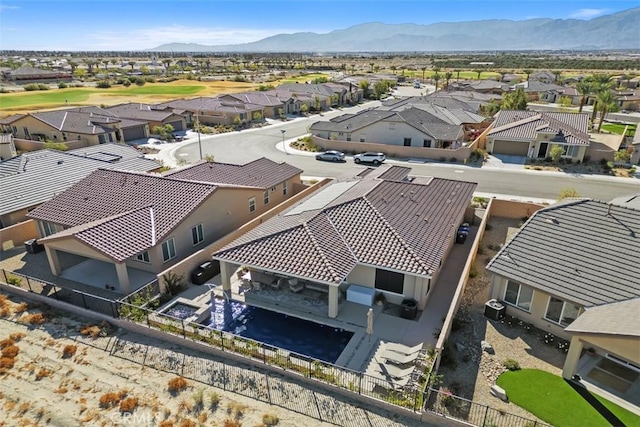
(46,388)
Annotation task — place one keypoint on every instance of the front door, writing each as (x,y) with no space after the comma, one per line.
(542,150)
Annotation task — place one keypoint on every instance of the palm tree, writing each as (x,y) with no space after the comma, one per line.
(528,73)
(584,88)
(478,72)
(423,70)
(436,78)
(457,71)
(557,74)
(606,101)
(601,83)
(447,77)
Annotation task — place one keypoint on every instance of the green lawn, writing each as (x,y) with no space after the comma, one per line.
(552,399)
(618,128)
(78,95)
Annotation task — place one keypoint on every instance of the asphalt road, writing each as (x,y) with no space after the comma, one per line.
(245,146)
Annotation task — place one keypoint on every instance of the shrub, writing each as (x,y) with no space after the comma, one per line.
(10,351)
(187,423)
(109,399)
(62,85)
(129,404)
(236,409)
(270,419)
(14,280)
(176,385)
(7,342)
(103,84)
(34,319)
(511,365)
(6,363)
(42,373)
(42,87)
(214,401)
(17,336)
(31,87)
(231,423)
(69,350)
(473,273)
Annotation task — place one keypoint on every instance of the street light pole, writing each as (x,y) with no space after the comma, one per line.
(284,146)
(199,141)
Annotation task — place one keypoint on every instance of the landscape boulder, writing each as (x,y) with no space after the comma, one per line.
(499,392)
(486,347)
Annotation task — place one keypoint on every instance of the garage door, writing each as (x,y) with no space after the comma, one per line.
(177,125)
(513,148)
(131,134)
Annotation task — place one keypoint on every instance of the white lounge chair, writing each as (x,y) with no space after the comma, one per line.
(395,372)
(394,383)
(403,349)
(399,358)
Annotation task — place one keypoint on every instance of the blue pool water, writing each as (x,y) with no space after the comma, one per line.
(290,333)
(180,311)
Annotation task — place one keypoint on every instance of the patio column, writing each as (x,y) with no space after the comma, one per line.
(573,357)
(333,301)
(54,261)
(123,277)
(225,275)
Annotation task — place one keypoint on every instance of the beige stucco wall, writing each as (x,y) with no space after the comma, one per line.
(36,126)
(394,150)
(16,234)
(538,308)
(15,217)
(627,347)
(413,286)
(30,145)
(513,209)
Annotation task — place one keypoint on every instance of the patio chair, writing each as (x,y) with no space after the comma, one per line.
(403,349)
(394,383)
(295,286)
(396,371)
(399,358)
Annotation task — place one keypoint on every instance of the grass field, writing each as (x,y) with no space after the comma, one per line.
(22,102)
(618,128)
(550,398)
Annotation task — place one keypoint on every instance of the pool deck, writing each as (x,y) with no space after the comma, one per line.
(351,316)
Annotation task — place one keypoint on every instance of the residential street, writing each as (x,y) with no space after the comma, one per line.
(248,145)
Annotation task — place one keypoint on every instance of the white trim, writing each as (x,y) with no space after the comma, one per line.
(622,362)
(520,285)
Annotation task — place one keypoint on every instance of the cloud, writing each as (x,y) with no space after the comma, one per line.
(587,13)
(151,37)
(4,7)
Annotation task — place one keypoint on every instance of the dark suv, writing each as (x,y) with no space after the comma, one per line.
(205,271)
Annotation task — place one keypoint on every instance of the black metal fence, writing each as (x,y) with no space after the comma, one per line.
(415,395)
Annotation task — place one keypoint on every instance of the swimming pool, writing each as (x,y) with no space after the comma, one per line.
(290,333)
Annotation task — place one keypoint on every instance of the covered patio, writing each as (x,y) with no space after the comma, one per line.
(104,275)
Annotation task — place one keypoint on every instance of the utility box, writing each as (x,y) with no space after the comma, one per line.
(409,308)
(33,247)
(494,310)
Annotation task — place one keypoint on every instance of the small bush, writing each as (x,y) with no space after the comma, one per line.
(109,400)
(214,401)
(17,336)
(511,365)
(473,273)
(176,385)
(10,351)
(42,87)
(69,350)
(103,84)
(187,423)
(236,409)
(6,363)
(129,404)
(6,342)
(270,419)
(231,423)
(31,87)
(34,319)
(43,373)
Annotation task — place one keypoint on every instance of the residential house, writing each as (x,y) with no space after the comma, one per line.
(411,127)
(320,94)
(272,106)
(534,134)
(540,90)
(379,230)
(213,111)
(469,100)
(628,100)
(131,226)
(555,94)
(572,271)
(7,147)
(147,113)
(28,75)
(31,179)
(480,86)
(543,77)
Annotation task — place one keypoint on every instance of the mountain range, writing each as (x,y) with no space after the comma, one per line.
(616,31)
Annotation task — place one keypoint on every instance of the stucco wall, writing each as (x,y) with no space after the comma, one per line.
(598,151)
(15,235)
(627,347)
(35,126)
(512,209)
(392,150)
(29,145)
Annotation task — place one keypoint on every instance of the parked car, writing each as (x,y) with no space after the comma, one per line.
(369,157)
(331,156)
(205,271)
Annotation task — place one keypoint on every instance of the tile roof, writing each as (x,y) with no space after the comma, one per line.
(260,173)
(140,111)
(583,251)
(77,122)
(518,124)
(616,318)
(122,213)
(397,225)
(33,178)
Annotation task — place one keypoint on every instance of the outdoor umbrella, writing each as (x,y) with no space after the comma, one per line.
(370,323)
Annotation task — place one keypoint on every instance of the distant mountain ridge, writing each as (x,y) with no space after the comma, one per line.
(616,31)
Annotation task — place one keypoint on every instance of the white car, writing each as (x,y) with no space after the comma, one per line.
(369,157)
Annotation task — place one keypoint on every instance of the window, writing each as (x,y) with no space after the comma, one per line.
(349,138)
(168,250)
(389,281)
(265,197)
(26,133)
(197,235)
(284,188)
(518,295)
(273,189)
(407,142)
(561,312)
(362,140)
(570,150)
(426,143)
(48,228)
(143,257)
(252,204)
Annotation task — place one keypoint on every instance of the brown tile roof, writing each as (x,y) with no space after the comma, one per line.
(78,122)
(396,225)
(109,208)
(527,124)
(139,111)
(260,173)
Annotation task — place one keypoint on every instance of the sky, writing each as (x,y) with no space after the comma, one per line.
(125,25)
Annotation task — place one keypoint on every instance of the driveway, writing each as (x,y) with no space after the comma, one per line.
(505,161)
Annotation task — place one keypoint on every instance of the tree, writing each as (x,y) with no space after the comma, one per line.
(106,63)
(131,64)
(514,100)
(165,132)
(557,74)
(73,66)
(364,85)
(584,88)
(237,121)
(607,102)
(257,116)
(304,108)
(80,73)
(447,77)
(457,71)
(380,88)
(90,63)
(478,72)
(621,156)
(527,72)
(372,64)
(423,71)
(556,153)
(601,83)
(436,78)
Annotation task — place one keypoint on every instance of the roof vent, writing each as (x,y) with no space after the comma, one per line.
(60,162)
(609,205)
(552,220)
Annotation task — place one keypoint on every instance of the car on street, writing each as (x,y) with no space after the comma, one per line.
(369,157)
(331,156)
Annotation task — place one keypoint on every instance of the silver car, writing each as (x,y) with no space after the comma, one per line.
(331,156)
(369,157)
